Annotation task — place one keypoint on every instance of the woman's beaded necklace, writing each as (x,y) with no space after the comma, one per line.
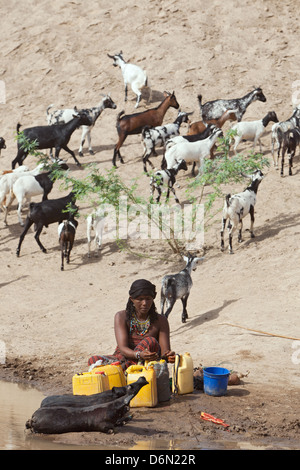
(140,327)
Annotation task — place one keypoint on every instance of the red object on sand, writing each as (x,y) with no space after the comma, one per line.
(213,419)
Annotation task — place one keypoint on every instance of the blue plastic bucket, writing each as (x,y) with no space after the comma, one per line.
(215,381)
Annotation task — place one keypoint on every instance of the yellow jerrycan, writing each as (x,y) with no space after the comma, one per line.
(147,396)
(114,372)
(183,374)
(87,383)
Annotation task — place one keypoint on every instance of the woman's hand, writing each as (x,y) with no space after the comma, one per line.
(170,356)
(147,355)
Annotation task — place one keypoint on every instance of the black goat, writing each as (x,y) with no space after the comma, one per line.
(45,213)
(278,130)
(2,144)
(290,141)
(47,137)
(66,237)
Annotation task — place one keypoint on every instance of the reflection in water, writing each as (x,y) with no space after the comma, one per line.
(17,403)
(156,444)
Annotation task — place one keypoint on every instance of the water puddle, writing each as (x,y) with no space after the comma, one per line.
(18,402)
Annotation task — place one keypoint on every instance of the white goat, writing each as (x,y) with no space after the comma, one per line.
(239,205)
(132,75)
(157,136)
(7,180)
(252,130)
(95,221)
(31,185)
(179,148)
(178,286)
(61,116)
(16,170)
(16,187)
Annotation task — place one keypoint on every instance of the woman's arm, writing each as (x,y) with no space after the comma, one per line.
(164,339)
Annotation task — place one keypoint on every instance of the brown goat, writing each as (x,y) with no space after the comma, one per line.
(134,123)
(200,126)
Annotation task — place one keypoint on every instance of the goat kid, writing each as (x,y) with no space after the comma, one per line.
(191,151)
(252,130)
(62,116)
(215,109)
(133,75)
(178,286)
(157,136)
(166,178)
(45,213)
(134,123)
(239,205)
(290,141)
(95,221)
(53,136)
(66,237)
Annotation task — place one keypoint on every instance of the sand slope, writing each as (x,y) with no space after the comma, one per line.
(57,53)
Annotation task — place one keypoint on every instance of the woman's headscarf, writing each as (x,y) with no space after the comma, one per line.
(142,287)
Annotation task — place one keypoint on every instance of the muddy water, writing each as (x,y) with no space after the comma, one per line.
(17,404)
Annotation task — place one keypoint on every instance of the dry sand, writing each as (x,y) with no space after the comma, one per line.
(52,321)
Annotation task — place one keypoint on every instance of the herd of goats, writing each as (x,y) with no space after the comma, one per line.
(198,144)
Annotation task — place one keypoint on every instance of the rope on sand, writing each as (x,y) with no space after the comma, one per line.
(262,332)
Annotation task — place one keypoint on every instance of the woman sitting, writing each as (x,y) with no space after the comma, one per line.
(141,333)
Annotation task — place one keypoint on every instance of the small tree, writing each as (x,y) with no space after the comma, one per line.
(219,172)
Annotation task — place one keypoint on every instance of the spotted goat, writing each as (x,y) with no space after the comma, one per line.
(61,116)
(239,205)
(153,137)
(215,109)
(178,286)
(166,178)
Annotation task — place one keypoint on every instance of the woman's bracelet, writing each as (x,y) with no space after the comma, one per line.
(138,355)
